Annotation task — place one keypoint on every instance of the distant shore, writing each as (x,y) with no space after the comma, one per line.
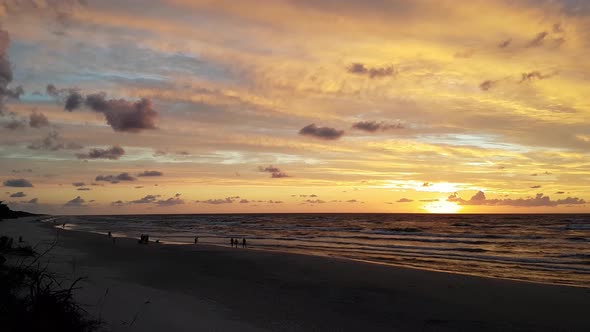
(212,288)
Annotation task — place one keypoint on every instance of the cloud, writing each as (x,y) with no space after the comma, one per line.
(76,202)
(73,101)
(325,133)
(535,187)
(150,173)
(19,194)
(487,85)
(538,40)
(505,43)
(170,201)
(530,76)
(314,201)
(404,200)
(123,115)
(539,200)
(146,199)
(38,120)
(274,171)
(429,200)
(244,201)
(53,142)
(227,200)
(78,184)
(113,153)
(33,201)
(18,183)
(15,125)
(560,192)
(373,126)
(358,68)
(6,72)
(115,178)
(84,189)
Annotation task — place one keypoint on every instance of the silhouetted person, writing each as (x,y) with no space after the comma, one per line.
(110,235)
(20,239)
(196,239)
(243,242)
(232,242)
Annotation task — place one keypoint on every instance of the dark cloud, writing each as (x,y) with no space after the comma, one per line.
(404,200)
(112,153)
(530,76)
(326,133)
(18,183)
(84,189)
(15,124)
(314,201)
(6,72)
(560,193)
(505,43)
(538,40)
(78,184)
(38,120)
(227,200)
(373,126)
(115,178)
(73,101)
(19,194)
(486,85)
(33,201)
(76,202)
(538,200)
(146,199)
(274,171)
(372,72)
(53,142)
(123,115)
(170,201)
(150,173)
(535,187)
(244,201)
(52,90)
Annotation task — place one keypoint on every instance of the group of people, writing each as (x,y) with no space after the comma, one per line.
(236,242)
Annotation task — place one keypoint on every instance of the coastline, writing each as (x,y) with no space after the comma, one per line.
(328,256)
(211,287)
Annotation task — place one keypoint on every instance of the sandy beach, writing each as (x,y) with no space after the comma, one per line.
(159,287)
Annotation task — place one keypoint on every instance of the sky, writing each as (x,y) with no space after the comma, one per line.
(200,106)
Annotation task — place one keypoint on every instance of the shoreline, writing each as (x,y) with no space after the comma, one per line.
(216,288)
(419,268)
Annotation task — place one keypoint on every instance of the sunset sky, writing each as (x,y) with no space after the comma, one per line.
(195,106)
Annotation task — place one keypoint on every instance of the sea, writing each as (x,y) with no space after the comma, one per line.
(543,248)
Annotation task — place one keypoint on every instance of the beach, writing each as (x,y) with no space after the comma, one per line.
(156,287)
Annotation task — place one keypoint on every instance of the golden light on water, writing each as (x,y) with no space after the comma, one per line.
(442,207)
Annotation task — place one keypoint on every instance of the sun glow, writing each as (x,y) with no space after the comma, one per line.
(442,207)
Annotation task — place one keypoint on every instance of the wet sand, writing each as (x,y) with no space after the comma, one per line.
(158,287)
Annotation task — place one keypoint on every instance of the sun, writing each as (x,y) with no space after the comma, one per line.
(442,207)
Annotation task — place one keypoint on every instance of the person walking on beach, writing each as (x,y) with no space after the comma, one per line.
(232,242)
(196,239)
(243,242)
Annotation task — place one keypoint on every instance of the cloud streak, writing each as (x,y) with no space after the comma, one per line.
(325,133)
(539,200)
